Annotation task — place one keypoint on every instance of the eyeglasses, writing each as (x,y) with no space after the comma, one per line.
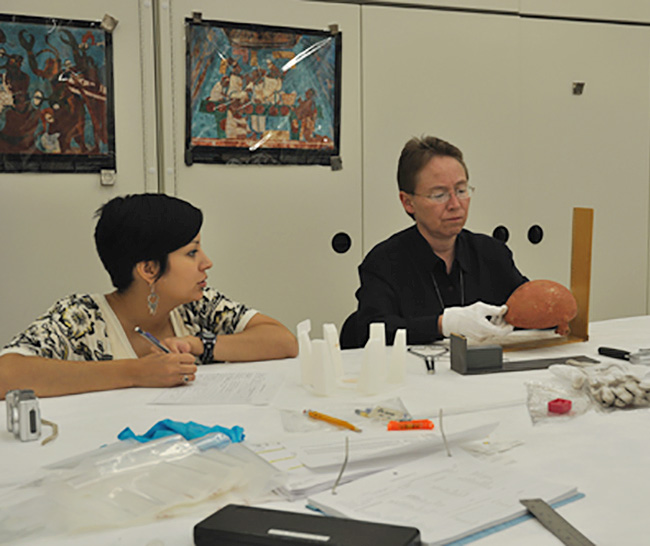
(440,197)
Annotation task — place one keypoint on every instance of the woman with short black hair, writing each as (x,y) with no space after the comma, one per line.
(150,244)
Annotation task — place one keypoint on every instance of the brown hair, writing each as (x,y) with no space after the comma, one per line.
(416,153)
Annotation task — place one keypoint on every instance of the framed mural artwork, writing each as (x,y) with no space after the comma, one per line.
(262,94)
(56,95)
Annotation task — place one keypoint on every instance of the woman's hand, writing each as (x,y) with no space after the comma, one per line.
(48,377)
(185,344)
(159,369)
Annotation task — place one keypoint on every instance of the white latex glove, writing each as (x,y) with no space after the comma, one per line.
(472,321)
(618,385)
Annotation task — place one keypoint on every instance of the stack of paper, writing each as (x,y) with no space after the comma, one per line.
(445,498)
(301,481)
(312,462)
(378,449)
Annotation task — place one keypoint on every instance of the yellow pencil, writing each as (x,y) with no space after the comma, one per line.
(332,420)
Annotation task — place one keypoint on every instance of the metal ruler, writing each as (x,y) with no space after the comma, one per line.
(555,523)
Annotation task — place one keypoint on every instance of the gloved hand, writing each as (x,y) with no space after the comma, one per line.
(472,321)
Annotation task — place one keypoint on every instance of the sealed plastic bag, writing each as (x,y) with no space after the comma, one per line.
(133,483)
(566,383)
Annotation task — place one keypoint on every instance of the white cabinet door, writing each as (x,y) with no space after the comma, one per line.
(269,229)
(587,150)
(46,220)
(621,10)
(451,75)
(506,6)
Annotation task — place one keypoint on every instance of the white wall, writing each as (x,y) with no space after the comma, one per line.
(269,229)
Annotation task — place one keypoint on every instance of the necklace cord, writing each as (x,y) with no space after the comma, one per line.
(462,290)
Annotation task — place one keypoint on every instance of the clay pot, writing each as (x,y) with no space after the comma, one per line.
(541,304)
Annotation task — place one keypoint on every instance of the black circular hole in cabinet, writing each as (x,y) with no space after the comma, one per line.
(341,243)
(535,234)
(501,233)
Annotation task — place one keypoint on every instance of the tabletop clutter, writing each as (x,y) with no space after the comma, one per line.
(321,365)
(148,476)
(576,387)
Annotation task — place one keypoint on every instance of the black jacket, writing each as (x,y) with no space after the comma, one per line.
(398,288)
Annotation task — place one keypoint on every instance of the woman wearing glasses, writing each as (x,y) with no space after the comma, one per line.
(434,277)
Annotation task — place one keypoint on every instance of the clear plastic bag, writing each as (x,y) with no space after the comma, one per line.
(604,387)
(567,383)
(133,484)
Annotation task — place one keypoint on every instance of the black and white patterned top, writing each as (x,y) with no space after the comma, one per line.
(84,327)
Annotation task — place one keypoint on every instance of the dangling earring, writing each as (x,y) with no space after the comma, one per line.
(152,301)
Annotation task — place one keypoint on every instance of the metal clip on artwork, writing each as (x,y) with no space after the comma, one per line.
(109,23)
(333,28)
(336,163)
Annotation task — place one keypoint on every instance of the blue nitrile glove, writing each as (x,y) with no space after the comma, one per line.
(189,431)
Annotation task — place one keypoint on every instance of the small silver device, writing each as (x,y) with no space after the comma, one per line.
(23,415)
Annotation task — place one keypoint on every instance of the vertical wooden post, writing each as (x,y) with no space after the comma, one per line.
(583,224)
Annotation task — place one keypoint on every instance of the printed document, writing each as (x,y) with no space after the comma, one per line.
(256,388)
(300,480)
(446,498)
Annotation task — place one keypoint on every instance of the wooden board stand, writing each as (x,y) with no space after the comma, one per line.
(583,226)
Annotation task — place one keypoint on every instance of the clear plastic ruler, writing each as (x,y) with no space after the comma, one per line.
(555,523)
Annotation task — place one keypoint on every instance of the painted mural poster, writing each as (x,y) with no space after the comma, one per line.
(56,108)
(261,94)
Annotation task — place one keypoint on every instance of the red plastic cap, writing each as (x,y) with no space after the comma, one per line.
(559,405)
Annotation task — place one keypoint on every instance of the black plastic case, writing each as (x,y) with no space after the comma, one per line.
(236,525)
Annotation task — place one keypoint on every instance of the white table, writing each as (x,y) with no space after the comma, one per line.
(604,454)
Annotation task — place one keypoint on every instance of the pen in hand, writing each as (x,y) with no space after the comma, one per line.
(151,339)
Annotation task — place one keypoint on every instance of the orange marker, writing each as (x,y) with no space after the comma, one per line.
(418,424)
(331,420)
